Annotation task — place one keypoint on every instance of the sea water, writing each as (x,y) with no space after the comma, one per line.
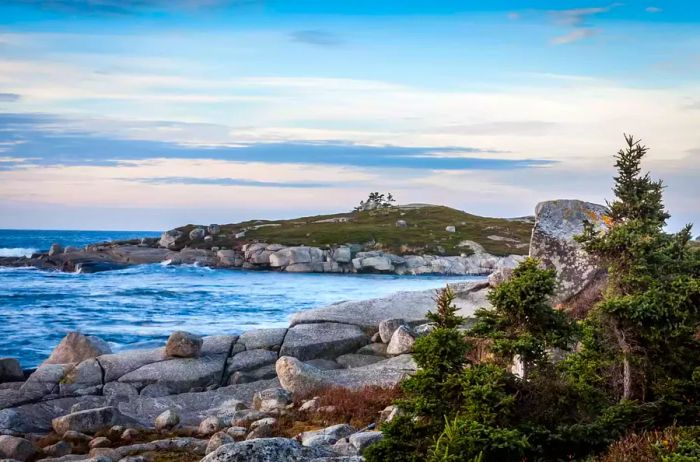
(140,306)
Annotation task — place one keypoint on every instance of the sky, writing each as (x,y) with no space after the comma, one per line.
(149,114)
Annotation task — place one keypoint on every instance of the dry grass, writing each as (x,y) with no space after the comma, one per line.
(647,446)
(358,408)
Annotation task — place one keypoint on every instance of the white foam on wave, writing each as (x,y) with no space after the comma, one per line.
(16,252)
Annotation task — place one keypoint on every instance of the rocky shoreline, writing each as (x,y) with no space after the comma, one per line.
(223,398)
(261,256)
(84,388)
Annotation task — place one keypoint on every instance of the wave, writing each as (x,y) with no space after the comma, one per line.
(17,252)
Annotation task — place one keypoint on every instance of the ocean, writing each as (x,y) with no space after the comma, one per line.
(140,306)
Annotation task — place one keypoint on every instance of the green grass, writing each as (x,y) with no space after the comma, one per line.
(425,232)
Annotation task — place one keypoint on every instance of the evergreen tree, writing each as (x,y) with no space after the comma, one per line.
(522,322)
(652,304)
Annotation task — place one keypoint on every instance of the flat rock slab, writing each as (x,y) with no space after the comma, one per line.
(322,340)
(266,339)
(410,306)
(179,375)
(37,417)
(194,407)
(266,450)
(298,377)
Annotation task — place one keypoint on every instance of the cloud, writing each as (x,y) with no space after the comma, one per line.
(653,9)
(9,97)
(577,17)
(513,16)
(46,142)
(169,180)
(574,36)
(316,37)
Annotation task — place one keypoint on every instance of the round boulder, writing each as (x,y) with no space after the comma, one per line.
(183,345)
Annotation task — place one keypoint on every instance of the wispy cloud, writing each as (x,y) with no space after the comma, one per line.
(185,180)
(316,37)
(577,18)
(46,142)
(574,36)
(653,9)
(9,97)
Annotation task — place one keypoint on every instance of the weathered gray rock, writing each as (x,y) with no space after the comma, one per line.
(10,370)
(376,349)
(218,344)
(89,421)
(322,340)
(379,263)
(116,392)
(117,365)
(197,234)
(556,224)
(210,425)
(15,448)
(361,440)
(353,360)
(167,420)
(194,407)
(267,339)
(59,449)
(342,255)
(55,249)
(173,239)
(251,359)
(298,377)
(218,440)
(76,347)
(83,379)
(214,229)
(179,375)
(187,445)
(401,342)
(500,276)
(410,306)
(37,417)
(271,399)
(262,373)
(153,390)
(183,345)
(44,381)
(266,450)
(229,258)
(387,328)
(329,435)
(236,433)
(100,442)
(324,364)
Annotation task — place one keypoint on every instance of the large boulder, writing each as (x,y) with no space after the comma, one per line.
(266,450)
(37,417)
(14,448)
(89,421)
(401,341)
(183,345)
(197,234)
(173,239)
(299,377)
(76,347)
(556,224)
(10,370)
(322,340)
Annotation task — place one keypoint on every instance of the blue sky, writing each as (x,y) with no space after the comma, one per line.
(148,114)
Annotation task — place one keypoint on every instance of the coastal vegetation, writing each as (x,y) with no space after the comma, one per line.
(377,229)
(621,384)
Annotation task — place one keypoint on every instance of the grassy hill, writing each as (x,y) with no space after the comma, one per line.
(424,231)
